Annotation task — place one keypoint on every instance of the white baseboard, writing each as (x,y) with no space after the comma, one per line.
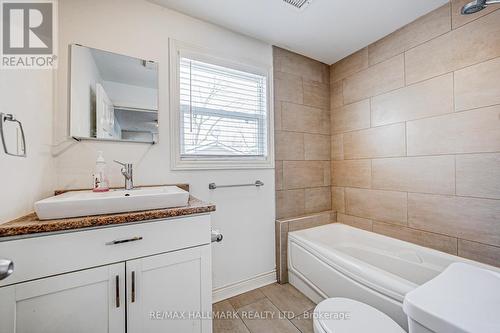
(243,286)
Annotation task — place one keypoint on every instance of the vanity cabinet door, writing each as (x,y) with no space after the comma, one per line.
(170,292)
(91,300)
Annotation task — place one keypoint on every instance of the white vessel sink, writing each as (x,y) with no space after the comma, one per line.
(86,203)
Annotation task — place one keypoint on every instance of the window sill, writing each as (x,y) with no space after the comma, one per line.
(221,164)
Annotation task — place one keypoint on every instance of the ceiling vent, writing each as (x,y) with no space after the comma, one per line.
(298,4)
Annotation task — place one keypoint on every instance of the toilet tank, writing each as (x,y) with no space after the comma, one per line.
(462,299)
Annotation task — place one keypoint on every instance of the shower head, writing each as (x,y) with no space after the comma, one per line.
(476,6)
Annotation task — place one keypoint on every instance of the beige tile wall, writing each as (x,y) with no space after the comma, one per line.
(302,132)
(283,226)
(303,148)
(415,144)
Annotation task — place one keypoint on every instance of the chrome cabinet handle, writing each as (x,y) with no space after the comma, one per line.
(6,268)
(126,240)
(117,290)
(133,286)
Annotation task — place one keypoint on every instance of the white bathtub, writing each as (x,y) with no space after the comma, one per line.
(337,260)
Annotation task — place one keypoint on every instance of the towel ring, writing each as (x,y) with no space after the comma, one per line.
(4,117)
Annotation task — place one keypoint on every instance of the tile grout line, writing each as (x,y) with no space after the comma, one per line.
(454,111)
(442,34)
(477,242)
(398,225)
(345,201)
(451,14)
(244,324)
(406,85)
(455,70)
(412,47)
(454,103)
(279,310)
(393,224)
(404,70)
(455,164)
(406,138)
(281,115)
(299,319)
(298,315)
(421,156)
(407,210)
(471,21)
(248,328)
(415,46)
(371,173)
(239,318)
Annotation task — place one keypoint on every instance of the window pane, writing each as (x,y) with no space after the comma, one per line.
(223,111)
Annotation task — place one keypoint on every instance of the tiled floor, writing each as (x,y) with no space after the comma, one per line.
(271,309)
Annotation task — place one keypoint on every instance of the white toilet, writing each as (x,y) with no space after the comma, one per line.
(462,299)
(343,315)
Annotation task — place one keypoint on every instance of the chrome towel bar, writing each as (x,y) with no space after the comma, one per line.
(213,186)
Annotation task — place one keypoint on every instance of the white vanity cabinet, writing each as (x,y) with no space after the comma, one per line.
(91,281)
(161,284)
(91,300)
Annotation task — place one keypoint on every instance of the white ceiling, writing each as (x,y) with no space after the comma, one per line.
(123,69)
(327,30)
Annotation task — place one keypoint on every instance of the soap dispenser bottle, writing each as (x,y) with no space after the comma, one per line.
(101,183)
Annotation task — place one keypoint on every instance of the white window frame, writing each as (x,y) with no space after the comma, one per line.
(178,49)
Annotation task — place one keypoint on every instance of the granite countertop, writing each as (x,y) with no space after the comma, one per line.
(30,224)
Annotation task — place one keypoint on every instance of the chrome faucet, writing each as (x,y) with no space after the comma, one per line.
(127,172)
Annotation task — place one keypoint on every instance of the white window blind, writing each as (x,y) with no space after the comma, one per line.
(223,111)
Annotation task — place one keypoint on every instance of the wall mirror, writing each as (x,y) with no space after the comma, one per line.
(113,97)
